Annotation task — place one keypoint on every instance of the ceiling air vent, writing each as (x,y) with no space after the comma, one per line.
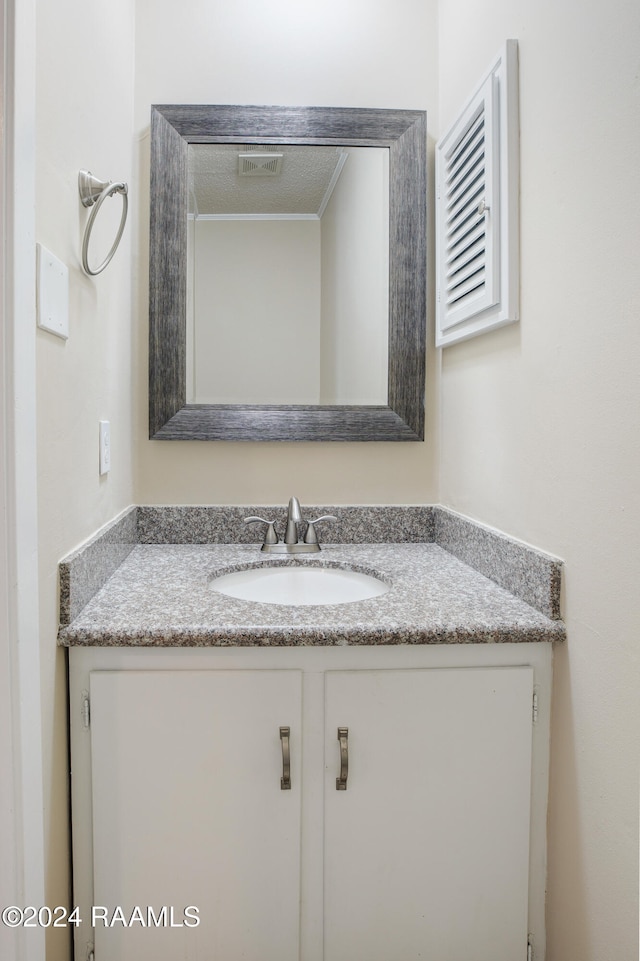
(255,164)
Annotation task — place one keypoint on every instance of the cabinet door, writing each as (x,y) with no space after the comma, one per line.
(188,810)
(426,852)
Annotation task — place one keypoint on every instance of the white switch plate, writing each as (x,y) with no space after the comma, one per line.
(105,446)
(52,293)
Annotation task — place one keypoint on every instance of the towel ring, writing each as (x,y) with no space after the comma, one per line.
(92,193)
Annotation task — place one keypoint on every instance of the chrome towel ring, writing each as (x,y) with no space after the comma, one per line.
(92,193)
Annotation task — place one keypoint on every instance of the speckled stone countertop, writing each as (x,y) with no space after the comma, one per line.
(160,595)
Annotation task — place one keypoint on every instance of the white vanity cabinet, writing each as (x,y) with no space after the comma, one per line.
(188,810)
(427,851)
(433,849)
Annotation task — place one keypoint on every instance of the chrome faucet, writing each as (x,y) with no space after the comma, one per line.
(294,517)
(292,543)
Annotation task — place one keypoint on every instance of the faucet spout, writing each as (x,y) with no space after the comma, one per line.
(294,517)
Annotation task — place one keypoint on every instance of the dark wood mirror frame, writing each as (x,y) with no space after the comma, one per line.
(173,128)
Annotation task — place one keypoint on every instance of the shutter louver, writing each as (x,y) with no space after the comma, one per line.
(469,218)
(466,244)
(469,281)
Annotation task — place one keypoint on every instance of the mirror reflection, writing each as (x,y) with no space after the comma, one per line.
(288,274)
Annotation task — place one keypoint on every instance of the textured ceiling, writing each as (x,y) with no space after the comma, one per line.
(307,174)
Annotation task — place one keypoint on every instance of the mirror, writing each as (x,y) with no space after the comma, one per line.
(297,362)
(318,215)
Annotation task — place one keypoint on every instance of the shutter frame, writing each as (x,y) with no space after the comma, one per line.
(479,290)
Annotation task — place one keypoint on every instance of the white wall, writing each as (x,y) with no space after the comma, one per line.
(21,794)
(84,101)
(257,339)
(355,282)
(376,54)
(539,422)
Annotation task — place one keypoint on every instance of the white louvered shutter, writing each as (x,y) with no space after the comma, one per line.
(476,211)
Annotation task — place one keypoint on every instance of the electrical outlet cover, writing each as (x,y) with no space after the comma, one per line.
(105,447)
(52,293)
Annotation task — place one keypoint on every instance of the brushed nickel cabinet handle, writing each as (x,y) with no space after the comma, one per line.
(343,737)
(285,780)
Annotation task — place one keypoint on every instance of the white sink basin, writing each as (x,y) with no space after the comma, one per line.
(299,585)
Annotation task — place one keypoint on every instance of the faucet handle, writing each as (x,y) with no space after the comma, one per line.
(310,536)
(270,537)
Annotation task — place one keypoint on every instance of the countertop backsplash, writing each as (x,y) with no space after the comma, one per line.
(523,574)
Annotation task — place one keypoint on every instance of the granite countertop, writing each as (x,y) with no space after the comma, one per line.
(160,595)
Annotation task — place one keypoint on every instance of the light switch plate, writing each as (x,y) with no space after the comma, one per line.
(52,293)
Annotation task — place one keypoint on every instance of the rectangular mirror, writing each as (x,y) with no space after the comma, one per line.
(317,216)
(287,273)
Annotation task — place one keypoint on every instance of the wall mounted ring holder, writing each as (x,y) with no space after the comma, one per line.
(92,194)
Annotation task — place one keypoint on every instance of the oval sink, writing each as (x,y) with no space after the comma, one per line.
(299,585)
